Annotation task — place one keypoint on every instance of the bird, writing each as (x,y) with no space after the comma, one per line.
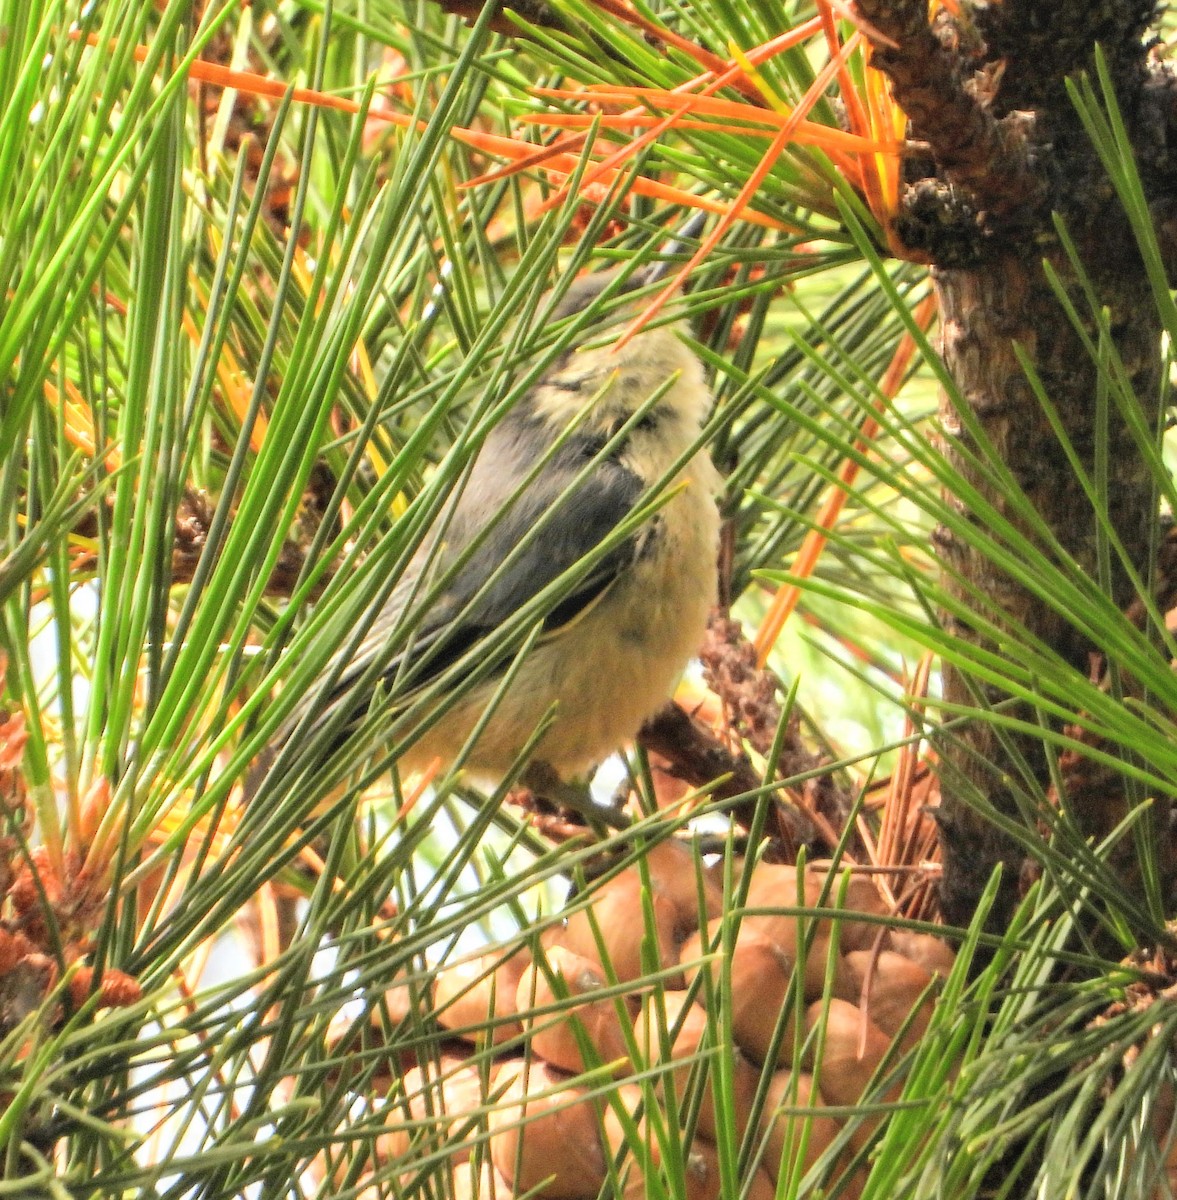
(610,650)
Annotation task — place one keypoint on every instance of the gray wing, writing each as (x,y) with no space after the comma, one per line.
(461,617)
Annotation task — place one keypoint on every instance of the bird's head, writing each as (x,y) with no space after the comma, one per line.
(620,379)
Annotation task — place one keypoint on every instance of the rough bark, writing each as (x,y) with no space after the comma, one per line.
(1005,149)
(985,312)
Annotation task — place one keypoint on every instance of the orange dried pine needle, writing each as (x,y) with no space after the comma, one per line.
(788,594)
(708,82)
(874,116)
(787,133)
(77,421)
(900,843)
(260,85)
(624,12)
(887,120)
(754,119)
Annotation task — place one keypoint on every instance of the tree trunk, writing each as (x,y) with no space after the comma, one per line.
(1005,149)
(985,312)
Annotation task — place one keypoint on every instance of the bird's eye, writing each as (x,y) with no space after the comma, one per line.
(645,424)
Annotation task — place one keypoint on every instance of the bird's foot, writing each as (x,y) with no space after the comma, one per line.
(546,785)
